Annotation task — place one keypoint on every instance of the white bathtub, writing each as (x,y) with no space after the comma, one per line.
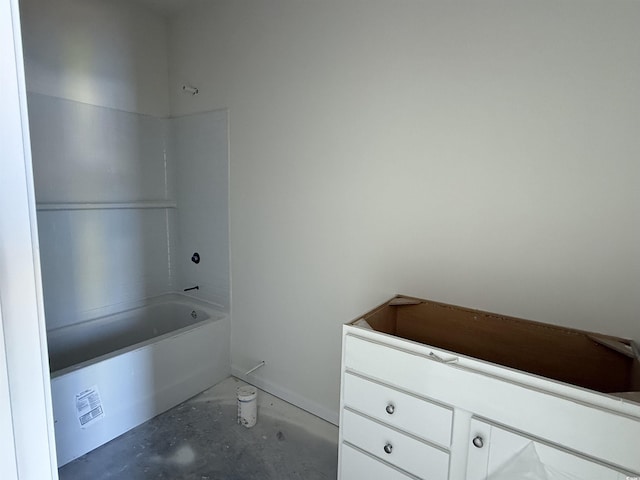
(113,373)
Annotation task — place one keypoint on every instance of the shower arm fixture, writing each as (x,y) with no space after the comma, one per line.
(191,288)
(190,89)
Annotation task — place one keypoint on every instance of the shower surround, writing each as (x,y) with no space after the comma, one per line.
(124,202)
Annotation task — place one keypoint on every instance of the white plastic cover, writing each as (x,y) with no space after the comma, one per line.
(526,465)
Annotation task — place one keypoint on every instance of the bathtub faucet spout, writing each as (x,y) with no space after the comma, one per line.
(192,288)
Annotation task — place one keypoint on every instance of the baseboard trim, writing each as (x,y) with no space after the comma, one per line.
(287,395)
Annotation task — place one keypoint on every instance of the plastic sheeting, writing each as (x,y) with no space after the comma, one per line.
(526,465)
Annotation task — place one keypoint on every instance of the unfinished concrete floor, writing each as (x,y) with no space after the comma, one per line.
(200,440)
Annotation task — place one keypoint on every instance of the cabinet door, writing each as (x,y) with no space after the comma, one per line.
(492,448)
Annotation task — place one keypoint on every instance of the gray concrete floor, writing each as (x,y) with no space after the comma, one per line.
(200,440)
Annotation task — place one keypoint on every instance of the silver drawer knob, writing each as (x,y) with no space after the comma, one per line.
(390,409)
(388,448)
(478,442)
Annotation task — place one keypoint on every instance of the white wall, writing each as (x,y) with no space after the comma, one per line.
(110,53)
(477,153)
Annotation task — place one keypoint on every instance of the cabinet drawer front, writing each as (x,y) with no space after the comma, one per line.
(405,452)
(406,412)
(355,465)
(410,372)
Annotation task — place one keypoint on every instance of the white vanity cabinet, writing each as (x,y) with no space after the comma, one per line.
(410,410)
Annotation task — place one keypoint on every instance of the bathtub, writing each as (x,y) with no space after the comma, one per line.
(113,373)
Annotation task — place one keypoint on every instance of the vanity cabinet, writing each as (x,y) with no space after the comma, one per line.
(411,409)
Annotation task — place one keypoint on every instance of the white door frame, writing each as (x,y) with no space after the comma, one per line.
(8,466)
(26,418)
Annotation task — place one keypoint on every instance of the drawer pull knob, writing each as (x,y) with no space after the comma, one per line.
(390,409)
(388,448)
(478,442)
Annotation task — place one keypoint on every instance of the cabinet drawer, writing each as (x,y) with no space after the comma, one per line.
(409,413)
(403,451)
(409,371)
(355,465)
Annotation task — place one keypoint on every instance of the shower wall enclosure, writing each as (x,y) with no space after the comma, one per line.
(125,194)
(124,200)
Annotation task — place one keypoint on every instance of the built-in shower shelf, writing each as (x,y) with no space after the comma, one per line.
(107,206)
